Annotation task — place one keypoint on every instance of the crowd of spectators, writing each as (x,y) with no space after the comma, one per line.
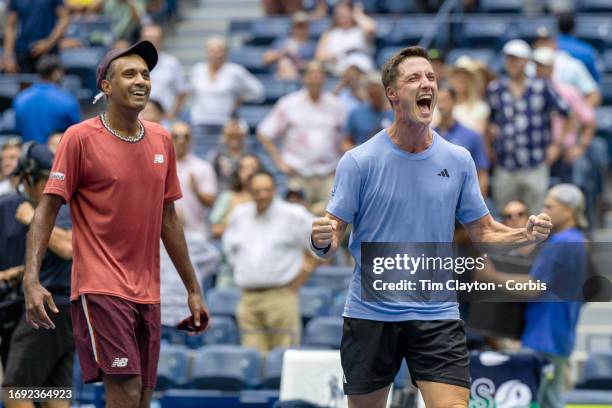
(526,129)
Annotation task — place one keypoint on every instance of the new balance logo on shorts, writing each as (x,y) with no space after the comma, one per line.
(158,159)
(444,173)
(120,362)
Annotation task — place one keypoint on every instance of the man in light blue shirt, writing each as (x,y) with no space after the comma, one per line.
(407,184)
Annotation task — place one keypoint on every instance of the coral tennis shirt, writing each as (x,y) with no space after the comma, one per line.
(117,191)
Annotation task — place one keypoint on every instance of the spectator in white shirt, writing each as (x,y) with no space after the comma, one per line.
(352,31)
(219,87)
(270,261)
(311,121)
(170,86)
(198,182)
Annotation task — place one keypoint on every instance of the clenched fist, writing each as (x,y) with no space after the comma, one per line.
(323,232)
(538,227)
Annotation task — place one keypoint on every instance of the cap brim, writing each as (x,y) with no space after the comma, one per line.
(146,50)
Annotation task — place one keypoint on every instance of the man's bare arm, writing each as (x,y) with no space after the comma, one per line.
(174,240)
(309,263)
(38,239)
(487,230)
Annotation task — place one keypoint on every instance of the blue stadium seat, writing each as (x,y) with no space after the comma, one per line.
(91,32)
(273,369)
(385,53)
(275,89)
(501,6)
(606,89)
(338,303)
(314,302)
(253,114)
(223,330)
(484,31)
(587,398)
(267,29)
(597,31)
(486,56)
(597,373)
(399,6)
(227,368)
(596,6)
(336,278)
(408,31)
(223,302)
(251,58)
(324,331)
(603,117)
(371,6)
(83,63)
(318,27)
(172,367)
(171,335)
(607,59)
(242,26)
(527,28)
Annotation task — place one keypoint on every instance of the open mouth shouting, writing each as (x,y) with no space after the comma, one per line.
(424,104)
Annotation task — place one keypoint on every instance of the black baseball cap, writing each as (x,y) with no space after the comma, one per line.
(37,159)
(145,49)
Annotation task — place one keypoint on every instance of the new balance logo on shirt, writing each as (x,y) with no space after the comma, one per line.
(56,175)
(120,362)
(158,159)
(444,173)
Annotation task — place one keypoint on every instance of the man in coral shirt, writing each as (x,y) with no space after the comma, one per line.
(119,176)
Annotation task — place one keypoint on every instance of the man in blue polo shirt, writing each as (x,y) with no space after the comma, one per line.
(581,50)
(407,185)
(550,327)
(455,133)
(44,108)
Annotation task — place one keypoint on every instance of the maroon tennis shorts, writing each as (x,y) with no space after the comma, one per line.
(115,336)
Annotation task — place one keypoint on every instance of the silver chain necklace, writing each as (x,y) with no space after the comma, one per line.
(134,139)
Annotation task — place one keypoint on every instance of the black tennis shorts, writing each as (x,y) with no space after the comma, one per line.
(41,358)
(372,353)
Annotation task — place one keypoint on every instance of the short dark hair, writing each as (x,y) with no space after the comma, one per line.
(234,180)
(157,105)
(47,65)
(389,69)
(566,23)
(261,172)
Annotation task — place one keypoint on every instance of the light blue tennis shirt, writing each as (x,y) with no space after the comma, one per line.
(390,195)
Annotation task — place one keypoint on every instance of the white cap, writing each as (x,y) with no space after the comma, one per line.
(544,56)
(571,196)
(517,48)
(357,59)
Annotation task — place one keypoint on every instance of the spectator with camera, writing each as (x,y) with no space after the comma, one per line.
(37,358)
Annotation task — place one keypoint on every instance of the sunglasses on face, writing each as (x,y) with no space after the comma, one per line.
(181,135)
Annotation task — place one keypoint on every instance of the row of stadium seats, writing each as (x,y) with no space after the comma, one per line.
(228,368)
(466,31)
(320,331)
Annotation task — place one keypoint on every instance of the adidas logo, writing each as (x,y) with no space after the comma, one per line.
(444,173)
